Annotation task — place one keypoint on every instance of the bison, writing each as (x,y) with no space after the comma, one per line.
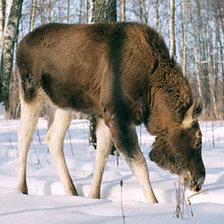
(123,74)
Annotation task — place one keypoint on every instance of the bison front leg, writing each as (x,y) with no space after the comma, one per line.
(103,149)
(125,138)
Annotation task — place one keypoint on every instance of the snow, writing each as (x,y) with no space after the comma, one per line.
(47,203)
(3,114)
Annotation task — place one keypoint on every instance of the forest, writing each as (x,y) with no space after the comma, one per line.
(192,29)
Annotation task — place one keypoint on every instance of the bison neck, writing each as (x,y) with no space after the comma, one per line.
(171,97)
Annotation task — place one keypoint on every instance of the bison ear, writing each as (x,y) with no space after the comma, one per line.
(192,114)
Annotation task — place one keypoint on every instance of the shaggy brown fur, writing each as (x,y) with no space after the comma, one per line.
(121,72)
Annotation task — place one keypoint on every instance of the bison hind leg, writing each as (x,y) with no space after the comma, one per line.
(29,116)
(55,136)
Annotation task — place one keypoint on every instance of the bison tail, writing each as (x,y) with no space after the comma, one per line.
(28,87)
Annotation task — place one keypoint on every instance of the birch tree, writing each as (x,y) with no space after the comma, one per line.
(80,11)
(157,14)
(185,38)
(10,36)
(33,14)
(68,11)
(42,6)
(219,21)
(2,19)
(87,12)
(50,6)
(123,14)
(196,55)
(172,28)
(143,15)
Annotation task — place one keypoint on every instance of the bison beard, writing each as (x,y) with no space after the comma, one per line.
(164,157)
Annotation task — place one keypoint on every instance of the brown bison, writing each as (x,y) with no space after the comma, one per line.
(122,73)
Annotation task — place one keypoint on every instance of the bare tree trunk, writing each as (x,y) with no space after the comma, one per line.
(80,11)
(211,67)
(220,19)
(33,14)
(196,56)
(202,42)
(2,20)
(10,36)
(123,15)
(87,12)
(135,9)
(50,11)
(185,38)
(42,6)
(68,11)
(172,28)
(143,16)
(222,73)
(221,15)
(14,102)
(92,130)
(157,15)
(217,70)
(2,25)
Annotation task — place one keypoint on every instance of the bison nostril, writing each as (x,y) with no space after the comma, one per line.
(196,188)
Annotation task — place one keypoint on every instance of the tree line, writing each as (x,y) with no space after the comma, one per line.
(192,29)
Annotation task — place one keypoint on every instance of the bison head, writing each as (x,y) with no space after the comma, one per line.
(179,150)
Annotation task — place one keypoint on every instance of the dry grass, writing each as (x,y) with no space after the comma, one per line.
(183,204)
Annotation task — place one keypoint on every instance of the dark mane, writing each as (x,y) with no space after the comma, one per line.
(178,96)
(171,92)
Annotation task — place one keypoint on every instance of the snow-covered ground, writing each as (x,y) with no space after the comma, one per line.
(46,202)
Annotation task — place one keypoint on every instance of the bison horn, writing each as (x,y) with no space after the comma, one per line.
(192,114)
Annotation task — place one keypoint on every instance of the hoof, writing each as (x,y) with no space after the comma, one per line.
(94,196)
(23,190)
(154,200)
(72,191)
